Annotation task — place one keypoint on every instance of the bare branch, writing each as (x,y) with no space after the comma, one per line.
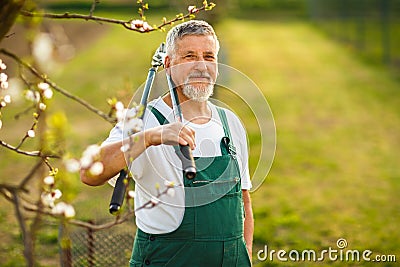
(24,112)
(95,2)
(27,153)
(44,78)
(27,238)
(32,128)
(125,23)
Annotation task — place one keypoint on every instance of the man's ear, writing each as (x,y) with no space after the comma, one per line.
(167,64)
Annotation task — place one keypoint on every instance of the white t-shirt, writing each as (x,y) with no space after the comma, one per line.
(159,165)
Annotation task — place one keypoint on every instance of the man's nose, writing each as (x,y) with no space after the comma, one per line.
(200,65)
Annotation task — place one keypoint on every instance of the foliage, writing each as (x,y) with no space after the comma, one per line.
(37,196)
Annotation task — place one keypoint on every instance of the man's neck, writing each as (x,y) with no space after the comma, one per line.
(193,111)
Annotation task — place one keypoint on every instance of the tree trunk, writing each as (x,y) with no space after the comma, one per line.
(9,10)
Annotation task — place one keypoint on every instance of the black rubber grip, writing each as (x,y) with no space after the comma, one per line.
(119,192)
(188,165)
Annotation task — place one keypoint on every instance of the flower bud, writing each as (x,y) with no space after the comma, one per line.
(48,93)
(43,86)
(42,106)
(31,133)
(131,194)
(57,194)
(171,192)
(49,180)
(97,168)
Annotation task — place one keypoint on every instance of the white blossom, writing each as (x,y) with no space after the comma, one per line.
(146,26)
(171,192)
(131,194)
(3,104)
(16,86)
(31,133)
(7,99)
(42,51)
(2,65)
(43,86)
(49,180)
(154,200)
(92,151)
(57,194)
(48,93)
(62,208)
(120,114)
(4,85)
(86,161)
(136,24)
(97,168)
(69,211)
(32,96)
(42,106)
(119,105)
(47,199)
(133,126)
(3,77)
(89,155)
(72,165)
(125,147)
(169,183)
(3,81)
(193,9)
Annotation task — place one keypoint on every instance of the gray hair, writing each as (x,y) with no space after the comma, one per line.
(191,27)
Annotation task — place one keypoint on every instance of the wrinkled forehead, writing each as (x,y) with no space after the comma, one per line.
(196,44)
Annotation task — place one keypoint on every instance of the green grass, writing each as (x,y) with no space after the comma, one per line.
(337,122)
(335,173)
(375,42)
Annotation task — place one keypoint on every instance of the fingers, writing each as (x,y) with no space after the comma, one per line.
(187,136)
(172,134)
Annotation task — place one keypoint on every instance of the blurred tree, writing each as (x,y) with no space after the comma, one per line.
(9,10)
(31,205)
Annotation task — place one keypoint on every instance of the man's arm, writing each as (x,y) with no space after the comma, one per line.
(248,222)
(113,158)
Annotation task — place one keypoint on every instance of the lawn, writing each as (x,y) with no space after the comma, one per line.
(335,173)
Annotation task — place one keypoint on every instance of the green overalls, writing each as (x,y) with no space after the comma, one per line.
(211,232)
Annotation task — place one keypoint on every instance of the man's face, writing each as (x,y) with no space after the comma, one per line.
(194,66)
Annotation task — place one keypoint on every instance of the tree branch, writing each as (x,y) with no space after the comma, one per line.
(95,2)
(56,87)
(27,153)
(125,23)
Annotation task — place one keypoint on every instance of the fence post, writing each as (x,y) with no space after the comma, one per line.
(90,246)
(65,246)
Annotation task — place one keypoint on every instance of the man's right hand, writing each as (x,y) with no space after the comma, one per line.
(170,134)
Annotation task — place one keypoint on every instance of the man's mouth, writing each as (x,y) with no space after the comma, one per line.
(199,78)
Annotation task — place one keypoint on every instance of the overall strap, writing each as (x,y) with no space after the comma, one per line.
(161,120)
(224,120)
(222,115)
(160,117)
(225,125)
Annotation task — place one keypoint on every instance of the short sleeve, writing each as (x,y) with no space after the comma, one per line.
(115,134)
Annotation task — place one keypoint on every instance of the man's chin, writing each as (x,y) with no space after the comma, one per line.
(198,93)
